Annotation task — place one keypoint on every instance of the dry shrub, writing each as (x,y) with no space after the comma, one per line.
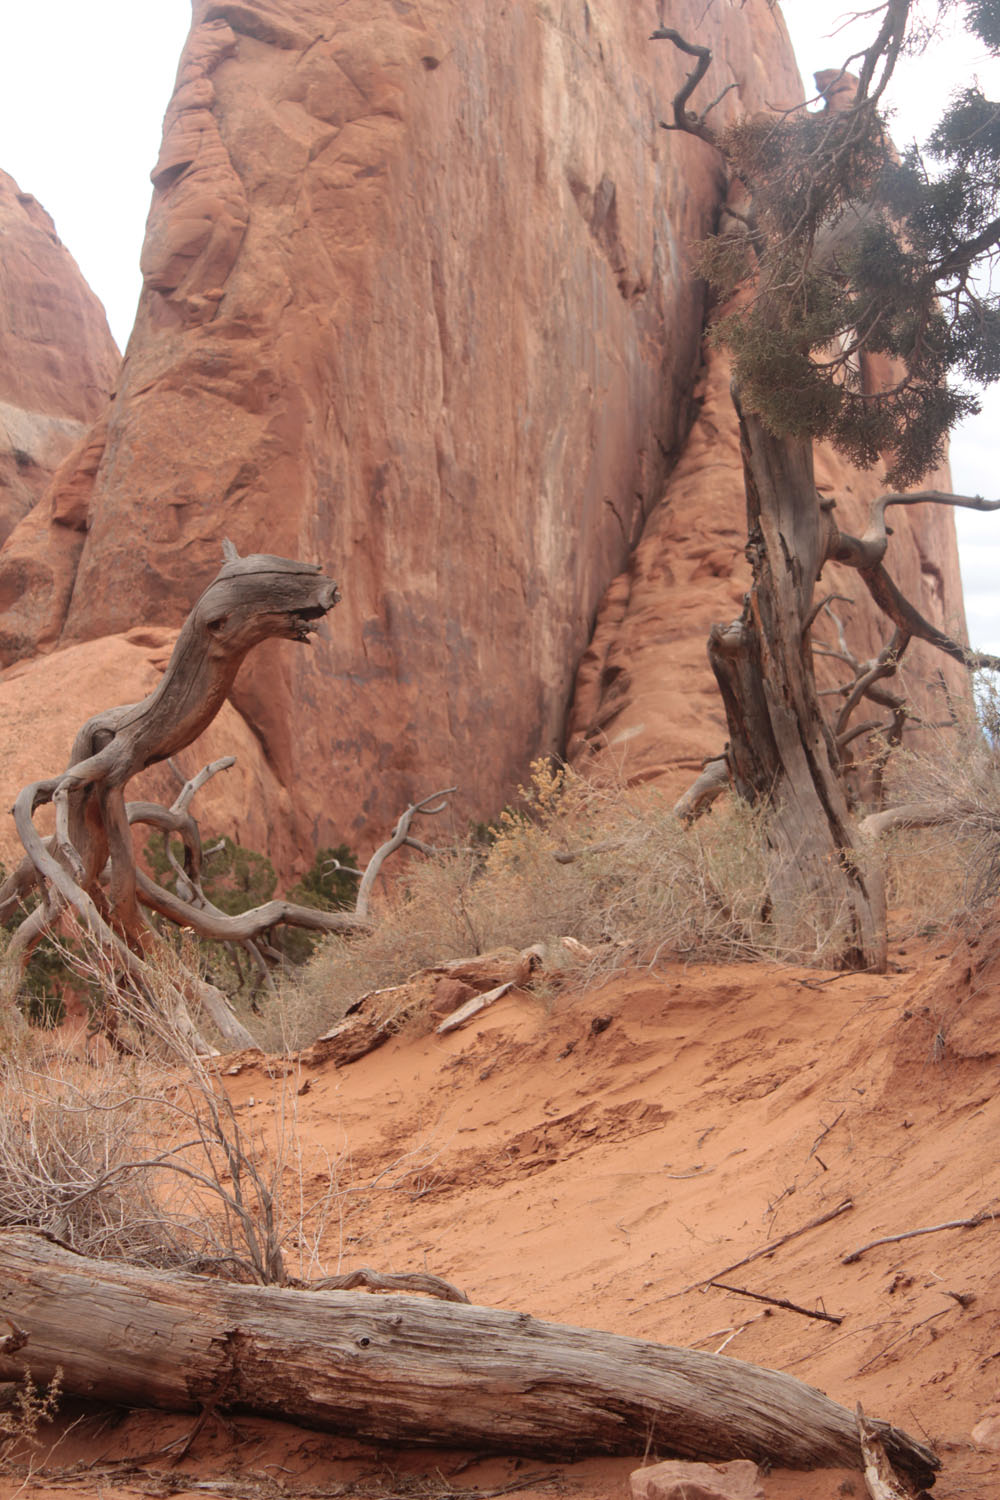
(28,1407)
(946,877)
(141,1155)
(611,867)
(927,880)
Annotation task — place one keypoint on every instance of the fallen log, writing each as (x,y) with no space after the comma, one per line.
(408,1370)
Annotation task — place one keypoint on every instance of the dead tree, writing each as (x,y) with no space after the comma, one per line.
(88,865)
(789,192)
(408,1370)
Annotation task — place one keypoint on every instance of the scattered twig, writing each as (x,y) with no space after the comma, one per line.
(912,1234)
(824,1133)
(741,1329)
(769,1248)
(899,1338)
(741,1291)
(817,984)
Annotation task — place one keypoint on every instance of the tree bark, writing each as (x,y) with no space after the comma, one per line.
(407,1370)
(822,891)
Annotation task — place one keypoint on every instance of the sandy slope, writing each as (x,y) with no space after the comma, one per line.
(594,1158)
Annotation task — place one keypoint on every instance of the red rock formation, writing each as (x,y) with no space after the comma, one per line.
(58,361)
(416,305)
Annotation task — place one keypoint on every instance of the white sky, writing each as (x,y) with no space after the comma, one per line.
(81,107)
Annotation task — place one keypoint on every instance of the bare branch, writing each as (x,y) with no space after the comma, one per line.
(393,1281)
(184,797)
(973,1222)
(713,781)
(394,842)
(772,1245)
(870,726)
(806,1312)
(885,665)
(906,815)
(207,921)
(886,45)
(903,614)
(685,119)
(250,600)
(868,550)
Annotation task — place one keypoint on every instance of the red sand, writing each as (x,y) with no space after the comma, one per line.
(593,1174)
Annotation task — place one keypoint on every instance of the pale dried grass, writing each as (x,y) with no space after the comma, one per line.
(142,1156)
(610,867)
(945,878)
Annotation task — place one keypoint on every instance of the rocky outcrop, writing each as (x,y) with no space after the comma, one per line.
(58,361)
(417,307)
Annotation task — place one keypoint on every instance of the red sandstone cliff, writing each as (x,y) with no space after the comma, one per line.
(58,361)
(416,306)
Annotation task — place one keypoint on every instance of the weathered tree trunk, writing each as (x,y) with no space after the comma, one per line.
(781,751)
(252,599)
(407,1370)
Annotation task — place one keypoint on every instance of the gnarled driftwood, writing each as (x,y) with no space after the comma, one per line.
(89,864)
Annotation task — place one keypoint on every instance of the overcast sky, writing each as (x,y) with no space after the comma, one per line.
(81,109)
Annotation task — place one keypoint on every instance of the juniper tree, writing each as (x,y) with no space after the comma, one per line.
(841,261)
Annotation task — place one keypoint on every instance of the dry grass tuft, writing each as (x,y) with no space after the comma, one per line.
(945,877)
(612,868)
(28,1406)
(141,1155)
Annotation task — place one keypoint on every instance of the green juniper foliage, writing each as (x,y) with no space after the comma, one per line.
(849,252)
(328,885)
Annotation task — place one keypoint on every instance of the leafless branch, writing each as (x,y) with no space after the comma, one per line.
(867,551)
(394,1281)
(806,1312)
(983,1216)
(250,600)
(885,665)
(394,842)
(906,815)
(685,119)
(903,614)
(772,1245)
